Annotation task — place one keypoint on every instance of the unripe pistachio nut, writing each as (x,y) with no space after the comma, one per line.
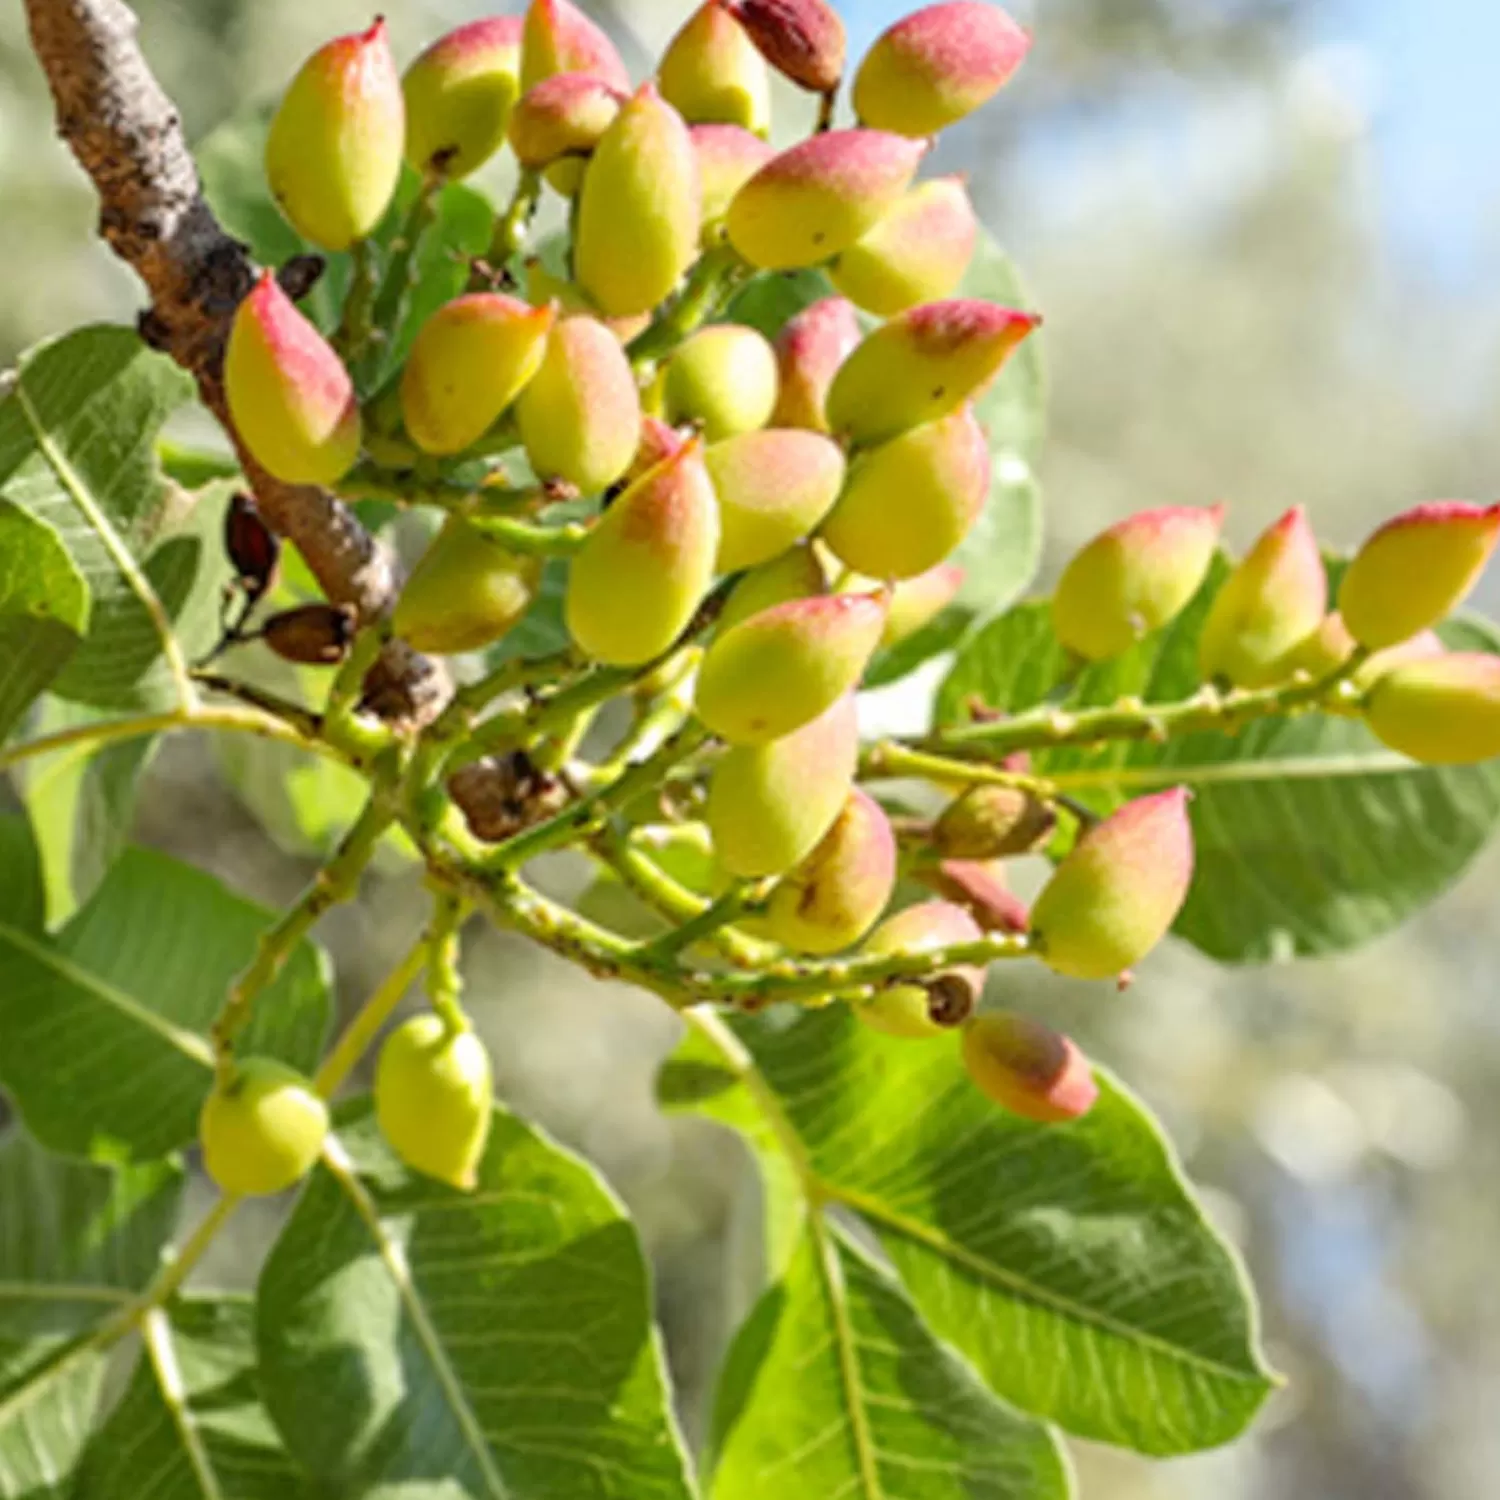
(261,1129)
(912,499)
(434,1098)
(774,487)
(936,1005)
(777,670)
(469,361)
(728,157)
(918,252)
(459,94)
(994,822)
(1029,1069)
(1134,578)
(466,591)
(712,74)
(796,574)
(558,38)
(917,602)
(769,805)
(921,365)
(721,380)
(1116,894)
(1416,570)
(820,196)
(640,208)
(290,398)
(564,115)
(937,65)
(1441,712)
(580,415)
(835,895)
(809,350)
(647,564)
(333,155)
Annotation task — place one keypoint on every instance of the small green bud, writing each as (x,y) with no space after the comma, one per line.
(917,253)
(465,592)
(333,155)
(580,416)
(565,115)
(769,805)
(290,397)
(1267,607)
(262,1130)
(722,380)
(773,488)
(937,65)
(796,574)
(993,822)
(780,668)
(558,38)
(818,197)
(910,501)
(1029,1069)
(1441,712)
(1416,570)
(459,94)
(1134,578)
(728,158)
(809,350)
(469,361)
(1116,894)
(921,1011)
(917,602)
(647,564)
(435,1099)
(640,209)
(802,39)
(712,74)
(838,892)
(921,365)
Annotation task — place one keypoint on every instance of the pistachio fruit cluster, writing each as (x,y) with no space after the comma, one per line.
(738,517)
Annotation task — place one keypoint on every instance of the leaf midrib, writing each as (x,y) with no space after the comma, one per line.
(336,1160)
(188,1043)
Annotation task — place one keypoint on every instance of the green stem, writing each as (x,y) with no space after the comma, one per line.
(349,680)
(266,725)
(640,873)
(512,727)
(361,316)
(334,883)
(543,671)
(360,1034)
(708,288)
(511,226)
(890,761)
(598,807)
(445,983)
(534,538)
(399,275)
(743,900)
(1207,710)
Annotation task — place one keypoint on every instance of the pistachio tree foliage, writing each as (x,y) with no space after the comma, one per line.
(755,432)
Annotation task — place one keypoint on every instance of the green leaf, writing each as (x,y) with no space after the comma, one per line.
(424,1343)
(79,1242)
(1070,1264)
(81,801)
(1014,408)
(44,610)
(835,1386)
(1311,837)
(940,634)
(103,1031)
(23,894)
(192,1422)
(698,1078)
(77,431)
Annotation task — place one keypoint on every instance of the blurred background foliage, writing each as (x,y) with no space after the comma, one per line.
(1263,236)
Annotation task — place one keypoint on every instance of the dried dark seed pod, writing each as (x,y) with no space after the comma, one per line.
(300,275)
(802,39)
(253,548)
(501,796)
(951,999)
(314,635)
